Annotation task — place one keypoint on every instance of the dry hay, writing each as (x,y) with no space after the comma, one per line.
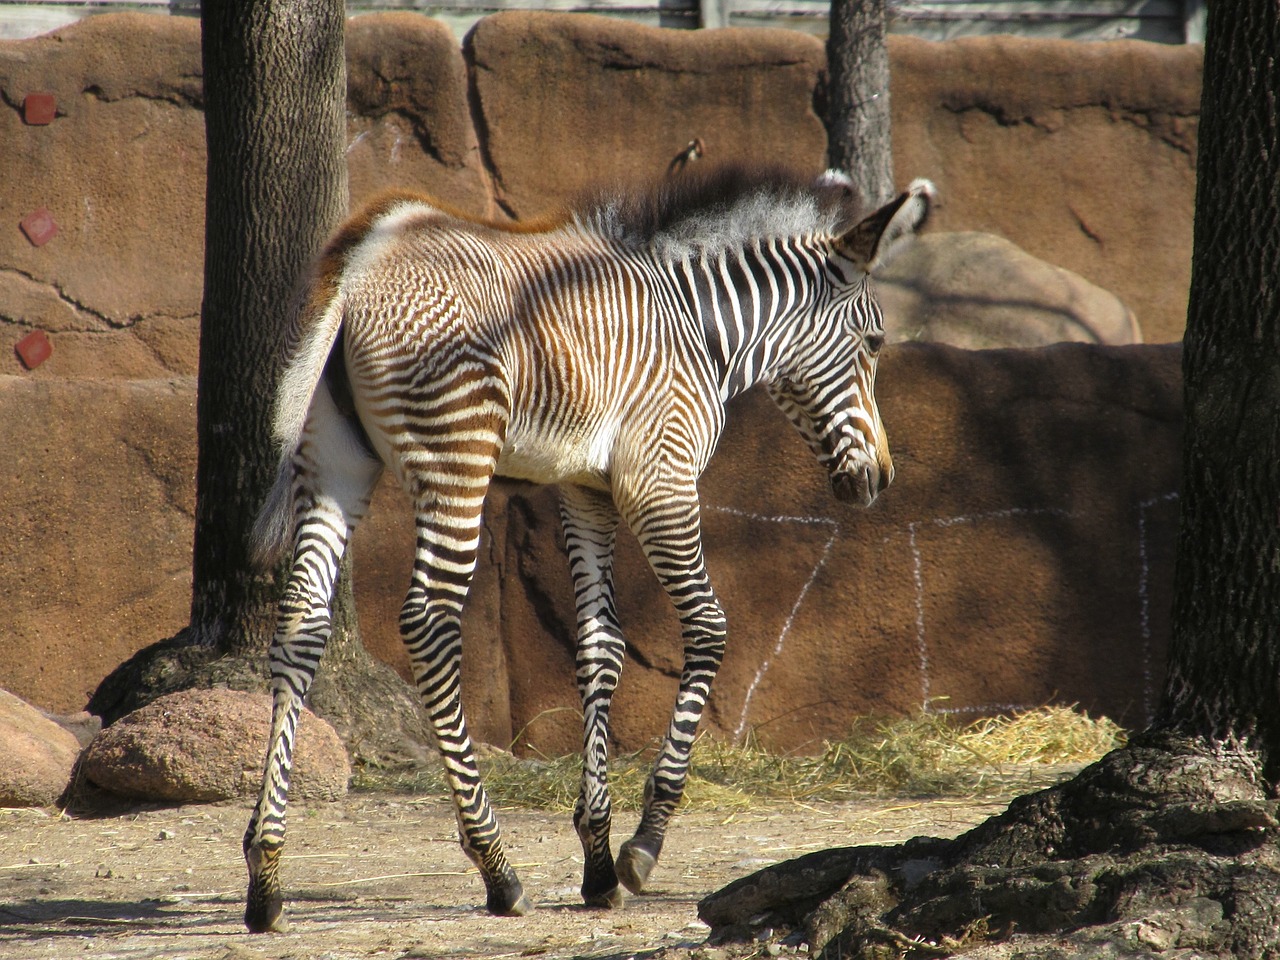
(926,754)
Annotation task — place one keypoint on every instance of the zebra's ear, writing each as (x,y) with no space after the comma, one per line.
(873,242)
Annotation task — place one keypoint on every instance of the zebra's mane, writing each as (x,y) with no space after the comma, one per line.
(702,211)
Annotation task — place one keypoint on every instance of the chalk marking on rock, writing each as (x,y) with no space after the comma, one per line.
(917,561)
(922,644)
(795,607)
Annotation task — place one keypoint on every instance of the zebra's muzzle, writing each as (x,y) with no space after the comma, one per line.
(859,485)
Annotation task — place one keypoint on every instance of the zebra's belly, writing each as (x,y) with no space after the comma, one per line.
(582,459)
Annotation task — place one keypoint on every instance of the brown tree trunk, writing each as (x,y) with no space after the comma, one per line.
(275,125)
(856,108)
(1169,844)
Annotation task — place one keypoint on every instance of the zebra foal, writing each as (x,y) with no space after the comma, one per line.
(596,351)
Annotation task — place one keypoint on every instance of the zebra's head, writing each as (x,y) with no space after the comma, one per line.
(829,391)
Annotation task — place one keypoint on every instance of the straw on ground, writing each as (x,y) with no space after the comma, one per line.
(927,754)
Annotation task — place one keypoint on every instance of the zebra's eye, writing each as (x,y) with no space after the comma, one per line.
(874,342)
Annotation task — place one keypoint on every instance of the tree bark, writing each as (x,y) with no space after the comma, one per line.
(275,90)
(1224,656)
(1171,842)
(856,108)
(275,125)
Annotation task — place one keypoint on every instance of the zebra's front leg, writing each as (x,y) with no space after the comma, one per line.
(431,627)
(672,543)
(590,524)
(301,633)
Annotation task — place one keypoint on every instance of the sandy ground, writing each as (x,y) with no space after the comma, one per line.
(382,876)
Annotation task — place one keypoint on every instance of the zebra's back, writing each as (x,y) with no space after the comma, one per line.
(574,343)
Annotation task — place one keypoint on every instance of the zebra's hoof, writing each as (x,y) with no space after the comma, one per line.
(509,903)
(634,866)
(609,900)
(266,915)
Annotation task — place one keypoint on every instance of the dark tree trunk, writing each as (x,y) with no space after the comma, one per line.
(275,89)
(1225,655)
(856,107)
(275,126)
(1171,842)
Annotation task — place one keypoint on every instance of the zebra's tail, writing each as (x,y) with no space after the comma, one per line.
(311,340)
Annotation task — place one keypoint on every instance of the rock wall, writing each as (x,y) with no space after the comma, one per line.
(1023,555)
(1020,557)
(1082,154)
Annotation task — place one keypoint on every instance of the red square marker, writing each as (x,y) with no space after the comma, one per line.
(34,349)
(39,227)
(39,109)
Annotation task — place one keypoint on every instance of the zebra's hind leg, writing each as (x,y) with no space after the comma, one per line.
(669,533)
(430,625)
(590,524)
(332,487)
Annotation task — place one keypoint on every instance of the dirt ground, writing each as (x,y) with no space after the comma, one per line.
(378,875)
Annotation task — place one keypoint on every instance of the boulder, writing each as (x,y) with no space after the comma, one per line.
(205,745)
(977,290)
(1083,154)
(39,755)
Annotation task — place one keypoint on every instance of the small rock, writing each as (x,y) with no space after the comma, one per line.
(1149,935)
(166,835)
(208,745)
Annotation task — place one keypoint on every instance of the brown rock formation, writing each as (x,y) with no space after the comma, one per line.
(979,291)
(121,170)
(1083,154)
(39,755)
(207,745)
(568,100)
(97,483)
(1079,153)
(408,120)
(1021,556)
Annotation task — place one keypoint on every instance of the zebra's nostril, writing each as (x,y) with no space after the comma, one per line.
(842,486)
(859,485)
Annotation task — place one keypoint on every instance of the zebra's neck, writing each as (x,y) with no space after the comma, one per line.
(744,301)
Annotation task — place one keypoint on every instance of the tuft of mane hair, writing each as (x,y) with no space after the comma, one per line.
(707,209)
